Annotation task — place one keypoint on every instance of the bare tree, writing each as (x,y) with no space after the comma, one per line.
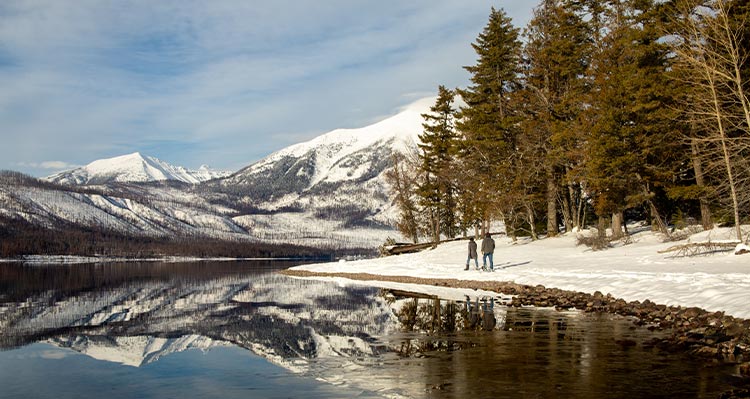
(711,59)
(402,180)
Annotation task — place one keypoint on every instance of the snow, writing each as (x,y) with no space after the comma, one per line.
(632,271)
(135,168)
(136,351)
(341,170)
(401,130)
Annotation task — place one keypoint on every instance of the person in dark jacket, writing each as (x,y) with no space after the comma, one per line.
(472,254)
(488,248)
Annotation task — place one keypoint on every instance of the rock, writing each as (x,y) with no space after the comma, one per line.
(690,313)
(741,249)
(706,351)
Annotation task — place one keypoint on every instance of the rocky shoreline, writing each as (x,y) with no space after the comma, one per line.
(713,336)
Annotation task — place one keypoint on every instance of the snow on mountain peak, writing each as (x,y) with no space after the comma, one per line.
(133,167)
(400,132)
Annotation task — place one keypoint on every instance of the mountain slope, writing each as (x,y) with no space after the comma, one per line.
(340,155)
(134,168)
(333,182)
(329,192)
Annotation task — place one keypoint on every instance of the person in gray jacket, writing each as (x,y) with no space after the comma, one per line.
(472,254)
(488,247)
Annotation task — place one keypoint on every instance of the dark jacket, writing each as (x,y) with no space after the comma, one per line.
(472,249)
(488,245)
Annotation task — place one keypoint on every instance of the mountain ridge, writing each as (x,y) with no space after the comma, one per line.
(328,192)
(133,168)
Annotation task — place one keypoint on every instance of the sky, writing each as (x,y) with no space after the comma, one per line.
(223,82)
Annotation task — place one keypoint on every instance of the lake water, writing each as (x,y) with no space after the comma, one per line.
(239,330)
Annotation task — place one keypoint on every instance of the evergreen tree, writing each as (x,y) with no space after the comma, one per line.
(488,121)
(439,148)
(631,118)
(556,57)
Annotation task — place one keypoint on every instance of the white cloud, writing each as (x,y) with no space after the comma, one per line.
(106,78)
(58,165)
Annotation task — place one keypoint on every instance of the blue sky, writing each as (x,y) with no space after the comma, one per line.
(223,83)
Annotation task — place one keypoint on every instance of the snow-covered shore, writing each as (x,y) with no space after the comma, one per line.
(634,271)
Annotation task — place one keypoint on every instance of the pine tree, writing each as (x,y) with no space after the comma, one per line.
(630,116)
(556,57)
(488,121)
(439,148)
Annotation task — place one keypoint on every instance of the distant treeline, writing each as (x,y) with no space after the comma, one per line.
(18,238)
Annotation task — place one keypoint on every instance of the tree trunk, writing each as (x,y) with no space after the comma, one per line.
(601,228)
(435,228)
(657,224)
(579,215)
(727,161)
(531,221)
(706,218)
(617,219)
(567,214)
(552,226)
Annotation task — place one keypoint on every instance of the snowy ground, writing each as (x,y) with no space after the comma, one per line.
(634,271)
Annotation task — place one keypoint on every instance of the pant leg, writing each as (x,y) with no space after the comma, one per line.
(492,265)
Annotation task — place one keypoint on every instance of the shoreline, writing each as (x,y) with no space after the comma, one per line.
(713,336)
(81,259)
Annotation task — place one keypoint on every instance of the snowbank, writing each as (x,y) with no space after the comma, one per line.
(634,271)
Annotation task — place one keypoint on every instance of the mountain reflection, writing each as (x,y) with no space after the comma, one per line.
(391,342)
(98,305)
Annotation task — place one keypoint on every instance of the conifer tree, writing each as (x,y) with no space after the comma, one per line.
(556,57)
(439,148)
(631,121)
(488,121)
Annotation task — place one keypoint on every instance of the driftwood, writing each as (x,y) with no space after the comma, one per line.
(701,248)
(402,248)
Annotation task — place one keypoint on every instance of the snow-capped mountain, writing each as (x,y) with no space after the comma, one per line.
(134,168)
(340,156)
(332,182)
(329,192)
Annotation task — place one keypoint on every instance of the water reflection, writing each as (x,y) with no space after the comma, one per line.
(361,339)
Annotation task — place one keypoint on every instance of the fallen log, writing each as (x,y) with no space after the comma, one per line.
(701,248)
(398,249)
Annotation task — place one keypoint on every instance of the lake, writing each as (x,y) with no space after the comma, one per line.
(240,330)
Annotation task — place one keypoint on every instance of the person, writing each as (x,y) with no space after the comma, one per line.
(488,314)
(472,254)
(473,318)
(488,247)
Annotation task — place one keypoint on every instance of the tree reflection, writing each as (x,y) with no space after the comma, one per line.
(431,315)
(438,324)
